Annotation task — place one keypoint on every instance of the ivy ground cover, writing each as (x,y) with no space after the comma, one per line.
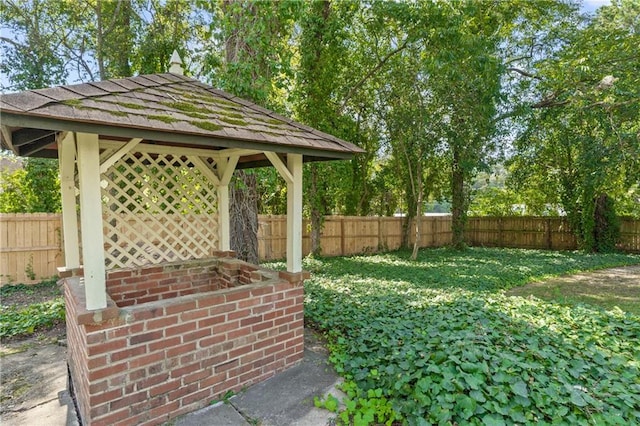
(436,341)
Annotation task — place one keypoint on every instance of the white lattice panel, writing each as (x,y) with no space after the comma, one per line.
(156,208)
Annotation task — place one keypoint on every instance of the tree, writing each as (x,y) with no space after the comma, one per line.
(255,38)
(584,134)
(32,188)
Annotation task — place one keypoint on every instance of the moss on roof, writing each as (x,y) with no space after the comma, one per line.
(164,118)
(233,121)
(206,125)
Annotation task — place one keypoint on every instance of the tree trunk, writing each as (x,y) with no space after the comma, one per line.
(316,214)
(416,244)
(458,202)
(243,216)
(243,193)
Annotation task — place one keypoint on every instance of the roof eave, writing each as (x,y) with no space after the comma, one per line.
(18,120)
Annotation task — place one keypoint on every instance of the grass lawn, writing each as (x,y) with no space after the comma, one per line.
(437,341)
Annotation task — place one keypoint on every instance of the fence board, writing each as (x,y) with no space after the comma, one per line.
(31,242)
(30,247)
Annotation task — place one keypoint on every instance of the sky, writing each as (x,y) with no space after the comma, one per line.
(592,5)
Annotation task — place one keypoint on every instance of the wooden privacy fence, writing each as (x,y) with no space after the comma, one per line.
(30,244)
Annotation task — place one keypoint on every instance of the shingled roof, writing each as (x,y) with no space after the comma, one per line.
(165,109)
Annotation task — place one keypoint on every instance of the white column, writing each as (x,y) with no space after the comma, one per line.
(67,162)
(224,223)
(225,168)
(91,220)
(294,214)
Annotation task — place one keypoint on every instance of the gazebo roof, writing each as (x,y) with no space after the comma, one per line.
(162,109)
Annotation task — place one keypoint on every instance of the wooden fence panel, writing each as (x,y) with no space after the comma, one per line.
(30,244)
(630,235)
(30,247)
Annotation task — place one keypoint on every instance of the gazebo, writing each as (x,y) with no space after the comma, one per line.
(161,317)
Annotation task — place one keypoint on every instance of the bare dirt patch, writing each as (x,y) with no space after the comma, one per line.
(609,288)
(33,366)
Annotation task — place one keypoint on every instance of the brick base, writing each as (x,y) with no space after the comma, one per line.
(174,337)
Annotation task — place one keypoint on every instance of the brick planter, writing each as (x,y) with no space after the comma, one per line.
(176,336)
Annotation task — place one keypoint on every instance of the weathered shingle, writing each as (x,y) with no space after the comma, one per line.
(174,104)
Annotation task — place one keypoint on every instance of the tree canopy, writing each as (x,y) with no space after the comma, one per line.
(438,93)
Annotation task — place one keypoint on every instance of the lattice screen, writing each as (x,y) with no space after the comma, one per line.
(156,208)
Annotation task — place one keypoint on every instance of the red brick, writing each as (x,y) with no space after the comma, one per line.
(199,334)
(262,326)
(179,372)
(180,329)
(145,337)
(152,381)
(240,351)
(284,303)
(125,331)
(196,376)
(162,322)
(221,309)
(165,387)
(147,299)
(180,307)
(226,366)
(214,360)
(112,418)
(263,308)
(181,349)
(187,359)
(238,314)
(164,343)
(237,295)
(261,290)
(137,375)
(210,341)
(247,303)
(108,346)
(128,353)
(146,360)
(182,391)
(198,396)
(273,349)
(108,371)
(234,334)
(194,314)
(95,388)
(98,411)
(249,376)
(223,328)
(105,397)
(274,297)
(208,322)
(95,338)
(212,380)
(263,343)
(251,320)
(167,281)
(129,400)
(163,413)
(96,362)
(250,357)
(118,274)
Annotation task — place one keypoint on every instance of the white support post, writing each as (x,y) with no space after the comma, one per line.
(91,220)
(225,168)
(294,214)
(67,163)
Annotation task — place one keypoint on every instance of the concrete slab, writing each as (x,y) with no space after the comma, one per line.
(220,414)
(287,398)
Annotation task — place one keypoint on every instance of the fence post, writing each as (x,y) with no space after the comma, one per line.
(549,240)
(342,242)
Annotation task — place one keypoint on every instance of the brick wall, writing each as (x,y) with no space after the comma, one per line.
(148,362)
